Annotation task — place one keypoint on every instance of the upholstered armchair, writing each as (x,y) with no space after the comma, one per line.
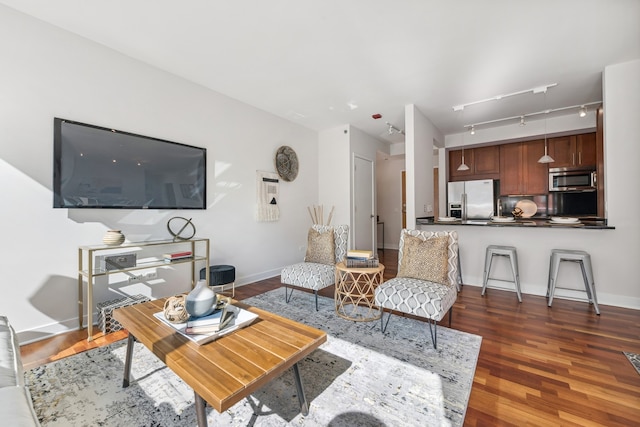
(427,282)
(326,246)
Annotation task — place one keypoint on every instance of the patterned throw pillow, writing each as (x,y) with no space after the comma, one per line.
(425,259)
(321,247)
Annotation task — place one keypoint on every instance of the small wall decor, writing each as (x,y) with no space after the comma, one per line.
(287,163)
(267,196)
(181,228)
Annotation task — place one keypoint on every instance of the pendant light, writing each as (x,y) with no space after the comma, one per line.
(463,166)
(546,158)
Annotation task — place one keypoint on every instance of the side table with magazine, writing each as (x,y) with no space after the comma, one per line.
(354,294)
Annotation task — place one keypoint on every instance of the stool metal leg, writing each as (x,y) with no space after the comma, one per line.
(487,267)
(516,274)
(589,285)
(553,276)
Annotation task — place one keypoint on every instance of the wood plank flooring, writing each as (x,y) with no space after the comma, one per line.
(538,366)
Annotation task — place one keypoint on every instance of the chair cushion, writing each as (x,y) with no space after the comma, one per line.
(425,259)
(309,275)
(452,259)
(320,246)
(417,297)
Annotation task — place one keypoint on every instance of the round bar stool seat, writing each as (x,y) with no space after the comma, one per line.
(505,251)
(220,276)
(581,257)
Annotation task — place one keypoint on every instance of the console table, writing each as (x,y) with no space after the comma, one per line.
(89,268)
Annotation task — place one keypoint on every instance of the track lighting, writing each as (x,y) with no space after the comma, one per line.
(393,129)
(463,166)
(473,130)
(583,111)
(522,123)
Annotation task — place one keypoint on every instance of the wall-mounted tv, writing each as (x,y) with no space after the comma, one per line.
(97,167)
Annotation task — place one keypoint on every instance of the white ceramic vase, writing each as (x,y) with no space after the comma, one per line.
(113,238)
(201,301)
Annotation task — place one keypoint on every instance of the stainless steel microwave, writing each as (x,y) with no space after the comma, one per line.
(581,180)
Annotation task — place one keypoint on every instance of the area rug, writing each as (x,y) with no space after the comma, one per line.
(360,377)
(634,358)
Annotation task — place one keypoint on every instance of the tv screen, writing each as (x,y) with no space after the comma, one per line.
(96,167)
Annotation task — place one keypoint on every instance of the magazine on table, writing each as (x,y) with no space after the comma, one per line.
(204,329)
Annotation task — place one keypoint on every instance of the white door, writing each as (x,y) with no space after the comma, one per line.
(363,204)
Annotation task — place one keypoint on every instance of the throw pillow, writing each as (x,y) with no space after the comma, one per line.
(425,259)
(321,247)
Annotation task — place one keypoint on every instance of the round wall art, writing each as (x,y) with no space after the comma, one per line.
(287,163)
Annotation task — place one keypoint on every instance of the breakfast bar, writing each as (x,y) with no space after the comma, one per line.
(534,239)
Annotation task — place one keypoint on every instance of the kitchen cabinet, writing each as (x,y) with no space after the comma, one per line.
(520,172)
(483,162)
(574,151)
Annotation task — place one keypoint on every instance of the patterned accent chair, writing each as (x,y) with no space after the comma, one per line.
(312,275)
(418,297)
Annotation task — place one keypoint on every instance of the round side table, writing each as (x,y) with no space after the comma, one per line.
(354,294)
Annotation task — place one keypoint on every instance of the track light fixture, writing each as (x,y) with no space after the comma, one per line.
(473,130)
(583,111)
(522,123)
(463,166)
(392,129)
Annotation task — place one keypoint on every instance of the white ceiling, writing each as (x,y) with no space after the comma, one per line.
(314,61)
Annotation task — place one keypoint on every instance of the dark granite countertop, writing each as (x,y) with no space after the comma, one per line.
(585,223)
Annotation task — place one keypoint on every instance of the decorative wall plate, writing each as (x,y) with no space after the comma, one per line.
(286,163)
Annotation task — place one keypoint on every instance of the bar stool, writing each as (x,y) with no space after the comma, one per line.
(506,251)
(220,276)
(580,257)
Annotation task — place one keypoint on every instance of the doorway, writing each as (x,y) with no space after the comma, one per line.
(363,203)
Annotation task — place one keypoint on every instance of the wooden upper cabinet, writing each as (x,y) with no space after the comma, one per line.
(520,172)
(483,162)
(575,151)
(536,179)
(486,161)
(511,173)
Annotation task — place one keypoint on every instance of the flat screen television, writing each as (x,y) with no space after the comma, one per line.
(102,168)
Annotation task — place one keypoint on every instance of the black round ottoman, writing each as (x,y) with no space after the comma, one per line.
(221,275)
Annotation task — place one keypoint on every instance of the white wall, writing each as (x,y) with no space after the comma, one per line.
(421,134)
(47,73)
(389,185)
(334,174)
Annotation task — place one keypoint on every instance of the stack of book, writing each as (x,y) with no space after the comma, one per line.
(210,324)
(361,259)
(177,256)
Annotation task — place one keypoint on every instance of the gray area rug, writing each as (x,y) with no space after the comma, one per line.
(360,377)
(634,358)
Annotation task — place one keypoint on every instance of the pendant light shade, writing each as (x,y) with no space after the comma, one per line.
(546,158)
(463,166)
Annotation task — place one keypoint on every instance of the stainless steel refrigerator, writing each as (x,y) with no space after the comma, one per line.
(472,199)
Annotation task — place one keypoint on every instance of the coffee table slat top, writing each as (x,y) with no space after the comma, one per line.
(230,368)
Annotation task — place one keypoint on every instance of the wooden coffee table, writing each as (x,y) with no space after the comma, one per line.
(227,370)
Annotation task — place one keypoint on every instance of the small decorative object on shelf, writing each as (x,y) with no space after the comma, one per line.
(201,301)
(175,310)
(181,228)
(113,238)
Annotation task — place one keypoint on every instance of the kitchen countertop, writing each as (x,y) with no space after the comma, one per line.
(589,224)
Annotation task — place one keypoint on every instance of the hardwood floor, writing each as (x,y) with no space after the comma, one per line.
(537,366)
